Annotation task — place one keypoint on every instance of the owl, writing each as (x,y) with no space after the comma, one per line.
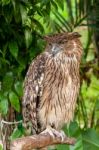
(52,84)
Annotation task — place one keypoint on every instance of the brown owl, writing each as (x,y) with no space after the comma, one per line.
(52,84)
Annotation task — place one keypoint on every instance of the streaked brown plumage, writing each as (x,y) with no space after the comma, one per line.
(52,83)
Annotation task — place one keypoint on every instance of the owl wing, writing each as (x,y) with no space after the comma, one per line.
(32,92)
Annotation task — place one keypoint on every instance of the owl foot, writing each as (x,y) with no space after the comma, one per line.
(62,135)
(54,133)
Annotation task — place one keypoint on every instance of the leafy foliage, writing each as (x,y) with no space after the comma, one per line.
(1,147)
(84,139)
(22,25)
(16,134)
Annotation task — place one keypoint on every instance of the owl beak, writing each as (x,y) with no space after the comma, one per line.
(55,49)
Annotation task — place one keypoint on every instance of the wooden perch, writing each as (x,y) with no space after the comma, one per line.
(39,141)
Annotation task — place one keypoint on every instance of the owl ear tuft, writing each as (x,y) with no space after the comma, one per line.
(45,37)
(76,34)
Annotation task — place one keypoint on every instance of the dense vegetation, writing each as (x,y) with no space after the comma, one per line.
(22,26)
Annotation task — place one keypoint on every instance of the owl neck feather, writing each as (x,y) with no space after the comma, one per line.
(68,62)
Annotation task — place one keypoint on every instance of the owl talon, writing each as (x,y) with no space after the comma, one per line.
(47,130)
(53,133)
(62,135)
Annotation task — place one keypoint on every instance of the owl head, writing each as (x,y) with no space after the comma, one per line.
(67,43)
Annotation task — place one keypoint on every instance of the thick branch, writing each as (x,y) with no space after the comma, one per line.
(39,141)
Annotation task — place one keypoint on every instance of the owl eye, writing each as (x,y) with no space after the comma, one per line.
(50,44)
(62,41)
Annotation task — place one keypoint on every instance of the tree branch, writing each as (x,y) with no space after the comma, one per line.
(39,141)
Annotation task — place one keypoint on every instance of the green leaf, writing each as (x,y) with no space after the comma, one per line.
(1,147)
(23,12)
(18,88)
(97,105)
(8,14)
(60,4)
(4,106)
(62,21)
(7,81)
(28,37)
(5,2)
(16,134)
(72,131)
(54,5)
(90,140)
(93,89)
(13,47)
(48,7)
(14,101)
(38,25)
(84,89)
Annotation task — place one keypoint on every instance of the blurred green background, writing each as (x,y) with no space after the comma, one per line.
(22,26)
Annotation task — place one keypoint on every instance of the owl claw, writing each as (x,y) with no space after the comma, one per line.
(48,130)
(62,135)
(54,133)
